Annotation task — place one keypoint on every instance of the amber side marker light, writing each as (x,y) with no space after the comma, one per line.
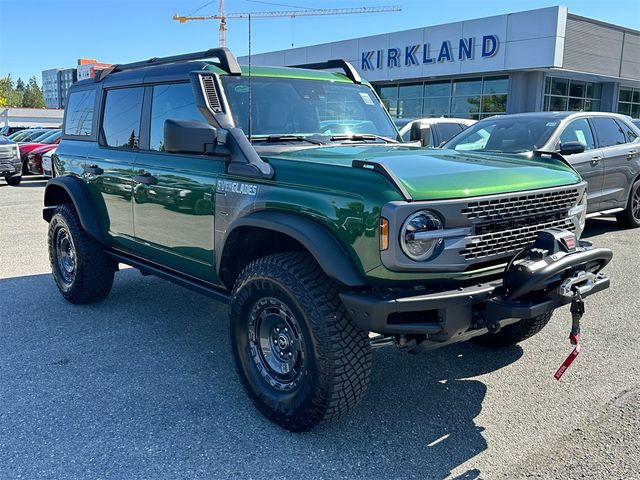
(384,233)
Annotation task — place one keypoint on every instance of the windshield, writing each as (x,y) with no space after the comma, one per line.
(507,135)
(321,109)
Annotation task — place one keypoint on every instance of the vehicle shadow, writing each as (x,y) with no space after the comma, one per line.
(142,384)
(601,225)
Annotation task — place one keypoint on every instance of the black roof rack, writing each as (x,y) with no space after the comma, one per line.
(226,61)
(348,69)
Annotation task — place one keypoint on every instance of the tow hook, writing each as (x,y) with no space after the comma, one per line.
(574,287)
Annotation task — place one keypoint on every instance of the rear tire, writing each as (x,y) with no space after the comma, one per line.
(81,269)
(301,359)
(13,181)
(514,333)
(630,217)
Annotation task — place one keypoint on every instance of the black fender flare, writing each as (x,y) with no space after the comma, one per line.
(323,246)
(76,190)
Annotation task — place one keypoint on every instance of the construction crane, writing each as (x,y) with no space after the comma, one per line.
(222,16)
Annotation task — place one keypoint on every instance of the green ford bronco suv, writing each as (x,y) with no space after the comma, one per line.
(288,193)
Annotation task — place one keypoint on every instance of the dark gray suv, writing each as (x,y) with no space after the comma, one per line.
(603,147)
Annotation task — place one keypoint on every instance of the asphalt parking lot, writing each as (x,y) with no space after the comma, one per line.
(142,385)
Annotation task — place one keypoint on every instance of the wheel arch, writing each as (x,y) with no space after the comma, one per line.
(265,233)
(67,189)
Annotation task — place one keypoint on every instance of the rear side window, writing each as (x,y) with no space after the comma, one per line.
(608,132)
(121,119)
(79,119)
(628,131)
(171,101)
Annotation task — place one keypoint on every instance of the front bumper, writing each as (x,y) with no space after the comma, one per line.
(455,315)
(10,167)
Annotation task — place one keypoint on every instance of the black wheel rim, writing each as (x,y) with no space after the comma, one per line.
(635,203)
(65,256)
(276,344)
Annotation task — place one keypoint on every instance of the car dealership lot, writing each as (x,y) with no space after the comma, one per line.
(142,385)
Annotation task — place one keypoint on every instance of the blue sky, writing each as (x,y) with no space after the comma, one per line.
(40,34)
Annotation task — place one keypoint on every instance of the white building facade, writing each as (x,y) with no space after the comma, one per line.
(544,59)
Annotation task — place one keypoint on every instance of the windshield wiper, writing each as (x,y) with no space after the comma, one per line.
(361,137)
(286,138)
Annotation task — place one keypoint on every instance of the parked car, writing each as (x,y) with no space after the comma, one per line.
(10,163)
(317,226)
(26,134)
(7,130)
(35,158)
(440,129)
(48,168)
(603,147)
(49,137)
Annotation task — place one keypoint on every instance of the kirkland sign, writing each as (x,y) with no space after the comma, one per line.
(421,54)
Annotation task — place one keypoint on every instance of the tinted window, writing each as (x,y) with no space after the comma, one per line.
(578,131)
(448,130)
(628,131)
(171,101)
(608,131)
(79,117)
(121,120)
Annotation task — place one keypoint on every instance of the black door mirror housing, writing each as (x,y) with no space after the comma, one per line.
(571,148)
(189,136)
(420,132)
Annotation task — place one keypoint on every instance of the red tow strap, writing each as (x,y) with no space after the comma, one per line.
(567,362)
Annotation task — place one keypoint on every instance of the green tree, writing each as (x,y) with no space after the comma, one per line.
(20,86)
(32,97)
(6,91)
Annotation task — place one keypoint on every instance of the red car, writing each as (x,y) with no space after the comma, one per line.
(52,138)
(34,157)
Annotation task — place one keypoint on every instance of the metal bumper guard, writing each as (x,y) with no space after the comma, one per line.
(538,280)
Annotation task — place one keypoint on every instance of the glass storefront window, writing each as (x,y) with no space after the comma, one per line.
(563,94)
(467,98)
(629,101)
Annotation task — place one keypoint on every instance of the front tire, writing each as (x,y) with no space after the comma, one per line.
(13,181)
(514,333)
(300,358)
(630,217)
(81,269)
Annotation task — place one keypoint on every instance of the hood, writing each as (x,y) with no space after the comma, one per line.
(44,148)
(433,174)
(27,147)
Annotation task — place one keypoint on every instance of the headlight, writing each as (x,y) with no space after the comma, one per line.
(419,236)
(578,215)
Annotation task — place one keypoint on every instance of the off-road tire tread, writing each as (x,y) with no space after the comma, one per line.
(95,269)
(515,333)
(344,360)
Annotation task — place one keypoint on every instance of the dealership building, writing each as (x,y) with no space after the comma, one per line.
(536,60)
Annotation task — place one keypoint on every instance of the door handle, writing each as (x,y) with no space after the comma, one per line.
(630,154)
(595,161)
(93,170)
(146,179)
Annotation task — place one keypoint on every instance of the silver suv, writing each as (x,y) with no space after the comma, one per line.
(603,147)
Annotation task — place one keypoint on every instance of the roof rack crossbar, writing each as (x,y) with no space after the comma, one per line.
(348,69)
(226,61)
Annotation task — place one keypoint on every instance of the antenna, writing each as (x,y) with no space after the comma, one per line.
(250,98)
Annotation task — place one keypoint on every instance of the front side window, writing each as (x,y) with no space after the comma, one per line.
(290,106)
(173,101)
(578,131)
(608,132)
(79,118)
(121,119)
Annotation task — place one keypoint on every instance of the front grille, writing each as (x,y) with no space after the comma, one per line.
(508,241)
(521,205)
(7,152)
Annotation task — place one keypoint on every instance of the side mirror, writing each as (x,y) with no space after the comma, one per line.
(420,132)
(571,148)
(188,136)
